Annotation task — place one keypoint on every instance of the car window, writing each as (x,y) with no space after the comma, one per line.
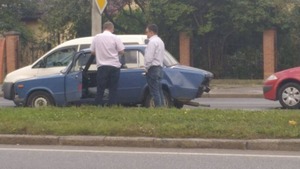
(84,46)
(132,59)
(169,60)
(61,57)
(81,61)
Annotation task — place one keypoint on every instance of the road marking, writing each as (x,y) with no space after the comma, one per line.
(150,153)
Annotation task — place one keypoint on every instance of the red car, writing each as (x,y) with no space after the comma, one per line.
(285,87)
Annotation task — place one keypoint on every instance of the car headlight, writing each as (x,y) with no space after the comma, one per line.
(272,77)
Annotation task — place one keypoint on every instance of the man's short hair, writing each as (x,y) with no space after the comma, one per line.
(108,25)
(153,28)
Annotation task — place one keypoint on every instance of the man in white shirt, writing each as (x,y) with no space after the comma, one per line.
(154,56)
(107,47)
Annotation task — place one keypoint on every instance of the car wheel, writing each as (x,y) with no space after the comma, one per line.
(40,99)
(178,104)
(149,102)
(289,96)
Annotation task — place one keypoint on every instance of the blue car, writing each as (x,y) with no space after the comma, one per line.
(77,82)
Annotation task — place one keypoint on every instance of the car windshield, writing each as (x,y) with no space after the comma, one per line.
(81,59)
(169,60)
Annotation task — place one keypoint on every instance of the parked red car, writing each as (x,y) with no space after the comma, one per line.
(285,87)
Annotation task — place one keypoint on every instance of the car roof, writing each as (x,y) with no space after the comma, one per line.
(126,47)
(126,39)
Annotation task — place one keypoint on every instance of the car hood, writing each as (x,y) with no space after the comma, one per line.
(52,76)
(18,74)
(292,72)
(193,69)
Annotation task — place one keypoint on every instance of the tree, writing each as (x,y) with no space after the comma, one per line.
(218,27)
(128,16)
(64,19)
(12,12)
(226,35)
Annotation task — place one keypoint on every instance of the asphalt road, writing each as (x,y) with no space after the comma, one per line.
(63,157)
(212,103)
(6,103)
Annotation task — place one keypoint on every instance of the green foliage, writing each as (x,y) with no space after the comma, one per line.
(12,12)
(222,32)
(170,13)
(130,21)
(65,19)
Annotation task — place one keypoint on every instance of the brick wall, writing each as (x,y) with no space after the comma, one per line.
(269,51)
(184,49)
(12,47)
(9,53)
(2,47)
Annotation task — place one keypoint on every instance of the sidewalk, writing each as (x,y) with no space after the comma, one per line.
(235,91)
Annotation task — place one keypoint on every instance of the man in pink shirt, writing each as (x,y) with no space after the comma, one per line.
(107,47)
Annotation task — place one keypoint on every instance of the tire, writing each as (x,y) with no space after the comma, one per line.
(149,101)
(178,104)
(289,95)
(39,99)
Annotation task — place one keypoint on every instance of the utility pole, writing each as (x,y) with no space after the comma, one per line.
(98,7)
(96,19)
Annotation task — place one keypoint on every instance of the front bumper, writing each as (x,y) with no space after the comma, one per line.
(8,91)
(19,102)
(269,92)
(204,87)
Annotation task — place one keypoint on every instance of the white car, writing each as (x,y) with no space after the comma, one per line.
(57,59)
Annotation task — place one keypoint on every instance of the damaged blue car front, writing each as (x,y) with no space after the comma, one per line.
(77,82)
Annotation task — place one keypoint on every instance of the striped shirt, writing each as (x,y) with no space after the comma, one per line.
(154,53)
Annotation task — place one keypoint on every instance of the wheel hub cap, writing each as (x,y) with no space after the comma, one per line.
(291,96)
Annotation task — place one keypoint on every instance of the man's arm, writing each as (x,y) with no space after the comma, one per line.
(92,47)
(121,52)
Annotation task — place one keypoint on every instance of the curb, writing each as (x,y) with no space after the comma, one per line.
(149,142)
(232,95)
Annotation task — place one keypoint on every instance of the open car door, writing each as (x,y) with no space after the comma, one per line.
(73,79)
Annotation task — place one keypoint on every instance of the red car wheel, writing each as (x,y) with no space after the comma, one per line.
(289,95)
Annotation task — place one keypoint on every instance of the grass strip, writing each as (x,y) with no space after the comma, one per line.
(171,123)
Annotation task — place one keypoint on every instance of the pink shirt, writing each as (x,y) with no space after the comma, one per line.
(107,46)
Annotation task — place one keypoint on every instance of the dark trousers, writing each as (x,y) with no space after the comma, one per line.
(107,77)
(154,76)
